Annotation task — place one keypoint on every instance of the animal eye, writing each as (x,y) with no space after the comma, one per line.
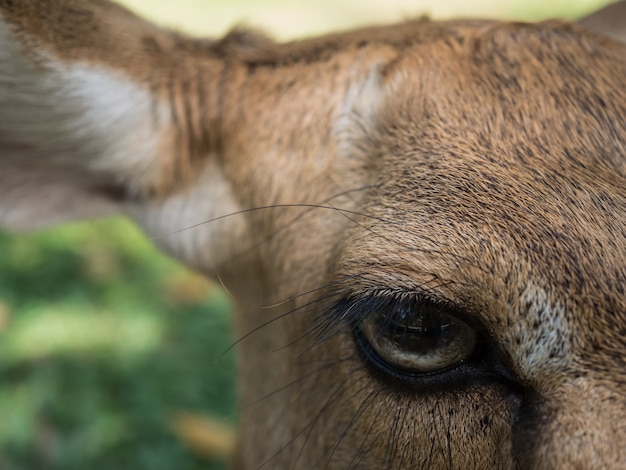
(415,338)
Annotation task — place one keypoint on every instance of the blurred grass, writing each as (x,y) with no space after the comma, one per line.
(103,341)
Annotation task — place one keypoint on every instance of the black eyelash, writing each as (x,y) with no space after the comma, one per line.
(352,310)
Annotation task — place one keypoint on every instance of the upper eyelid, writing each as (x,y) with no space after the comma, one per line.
(352,308)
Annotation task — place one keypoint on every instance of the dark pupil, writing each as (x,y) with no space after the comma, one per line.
(419,332)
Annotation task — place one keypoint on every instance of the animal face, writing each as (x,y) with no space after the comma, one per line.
(426,222)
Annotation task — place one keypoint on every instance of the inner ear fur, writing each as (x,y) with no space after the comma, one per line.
(98,106)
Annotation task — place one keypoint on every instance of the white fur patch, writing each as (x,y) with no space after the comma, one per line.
(185,224)
(359,111)
(545,348)
(66,127)
(123,117)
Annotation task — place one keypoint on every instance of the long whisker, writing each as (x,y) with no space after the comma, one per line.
(360,454)
(260,208)
(279,229)
(332,397)
(270,206)
(276,318)
(277,304)
(327,364)
(355,418)
(319,415)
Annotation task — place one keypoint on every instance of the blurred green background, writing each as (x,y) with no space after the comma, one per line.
(103,341)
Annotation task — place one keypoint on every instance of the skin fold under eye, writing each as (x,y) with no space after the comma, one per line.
(413,338)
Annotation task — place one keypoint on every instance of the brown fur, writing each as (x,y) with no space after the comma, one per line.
(480,163)
(609,20)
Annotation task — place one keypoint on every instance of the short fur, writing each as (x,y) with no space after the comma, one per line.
(480,163)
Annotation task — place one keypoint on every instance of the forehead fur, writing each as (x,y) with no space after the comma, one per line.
(506,87)
(515,127)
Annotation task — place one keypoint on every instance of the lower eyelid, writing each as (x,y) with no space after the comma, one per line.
(424,361)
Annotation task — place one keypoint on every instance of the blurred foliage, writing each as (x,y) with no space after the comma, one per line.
(102,343)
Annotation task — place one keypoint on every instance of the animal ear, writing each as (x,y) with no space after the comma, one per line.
(610,21)
(83,123)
